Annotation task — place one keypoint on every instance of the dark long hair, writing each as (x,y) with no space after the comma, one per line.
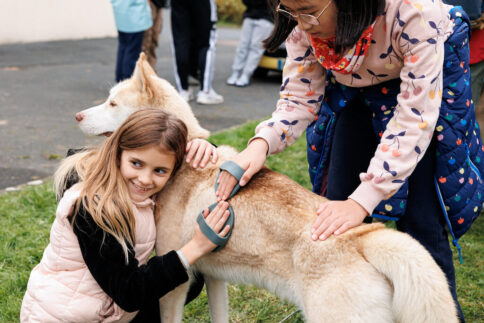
(353,17)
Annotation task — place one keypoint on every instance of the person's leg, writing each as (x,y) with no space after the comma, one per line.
(206,35)
(194,71)
(262,29)
(181,30)
(354,144)
(205,29)
(424,219)
(122,40)
(132,52)
(242,50)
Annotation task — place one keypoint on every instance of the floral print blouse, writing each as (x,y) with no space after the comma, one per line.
(408,43)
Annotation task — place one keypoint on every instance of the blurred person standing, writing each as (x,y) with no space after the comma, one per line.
(256,26)
(151,35)
(193,40)
(132,18)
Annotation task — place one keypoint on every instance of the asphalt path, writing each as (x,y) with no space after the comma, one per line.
(43,85)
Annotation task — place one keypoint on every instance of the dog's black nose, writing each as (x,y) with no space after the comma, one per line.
(79,116)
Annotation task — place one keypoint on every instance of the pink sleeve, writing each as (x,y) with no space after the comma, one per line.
(410,130)
(301,94)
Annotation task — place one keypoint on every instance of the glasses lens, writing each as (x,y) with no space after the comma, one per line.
(309,19)
(286,14)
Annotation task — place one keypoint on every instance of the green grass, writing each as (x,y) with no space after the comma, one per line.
(26,217)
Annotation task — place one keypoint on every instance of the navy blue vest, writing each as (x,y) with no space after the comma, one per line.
(460,151)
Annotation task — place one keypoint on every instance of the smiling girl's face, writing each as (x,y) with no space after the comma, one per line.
(327,21)
(146,170)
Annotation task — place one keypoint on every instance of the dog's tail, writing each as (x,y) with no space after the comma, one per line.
(421,292)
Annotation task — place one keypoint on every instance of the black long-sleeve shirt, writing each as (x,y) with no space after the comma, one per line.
(130,286)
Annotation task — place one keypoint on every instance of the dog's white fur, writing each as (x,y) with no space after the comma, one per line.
(369,274)
(144,90)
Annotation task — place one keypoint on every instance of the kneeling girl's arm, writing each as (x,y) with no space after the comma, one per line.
(127,283)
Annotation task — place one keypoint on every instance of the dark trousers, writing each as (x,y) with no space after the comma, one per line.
(129,48)
(193,34)
(354,144)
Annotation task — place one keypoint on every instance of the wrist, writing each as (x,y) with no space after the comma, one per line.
(363,213)
(183,259)
(260,145)
(192,251)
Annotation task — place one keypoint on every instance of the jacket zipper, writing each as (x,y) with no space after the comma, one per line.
(472,166)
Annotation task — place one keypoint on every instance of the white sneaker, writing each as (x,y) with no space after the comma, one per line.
(210,97)
(193,81)
(187,95)
(243,81)
(233,78)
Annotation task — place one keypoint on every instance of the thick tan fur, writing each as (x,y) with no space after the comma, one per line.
(369,274)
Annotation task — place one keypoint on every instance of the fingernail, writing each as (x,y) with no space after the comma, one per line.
(314,237)
(242,183)
(188,160)
(322,238)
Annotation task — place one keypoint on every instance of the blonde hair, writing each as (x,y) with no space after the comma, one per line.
(104,193)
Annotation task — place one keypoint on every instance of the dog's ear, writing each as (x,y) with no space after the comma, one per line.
(142,76)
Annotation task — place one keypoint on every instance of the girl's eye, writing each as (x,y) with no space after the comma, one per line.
(160,171)
(136,163)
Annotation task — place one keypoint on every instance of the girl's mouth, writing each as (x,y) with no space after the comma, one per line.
(140,188)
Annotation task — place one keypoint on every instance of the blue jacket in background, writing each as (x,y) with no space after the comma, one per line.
(132,16)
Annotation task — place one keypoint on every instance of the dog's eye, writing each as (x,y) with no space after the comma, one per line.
(112,104)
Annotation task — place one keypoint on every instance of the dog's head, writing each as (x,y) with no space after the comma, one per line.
(143,90)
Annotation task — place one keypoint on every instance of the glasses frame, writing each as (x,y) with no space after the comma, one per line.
(309,19)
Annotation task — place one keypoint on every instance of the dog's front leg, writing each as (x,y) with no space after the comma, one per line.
(218,299)
(171,305)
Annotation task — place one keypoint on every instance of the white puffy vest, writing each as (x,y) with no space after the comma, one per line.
(61,288)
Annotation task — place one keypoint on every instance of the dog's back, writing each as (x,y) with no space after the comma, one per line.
(348,276)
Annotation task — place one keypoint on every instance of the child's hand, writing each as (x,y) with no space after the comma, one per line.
(200,151)
(215,220)
(251,159)
(337,217)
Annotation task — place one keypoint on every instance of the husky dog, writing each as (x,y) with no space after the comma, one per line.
(368,274)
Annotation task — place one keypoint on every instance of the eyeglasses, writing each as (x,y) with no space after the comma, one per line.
(310,19)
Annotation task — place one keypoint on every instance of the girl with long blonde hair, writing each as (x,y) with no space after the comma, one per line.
(97,266)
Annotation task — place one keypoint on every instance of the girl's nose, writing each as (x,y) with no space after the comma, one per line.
(145,178)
